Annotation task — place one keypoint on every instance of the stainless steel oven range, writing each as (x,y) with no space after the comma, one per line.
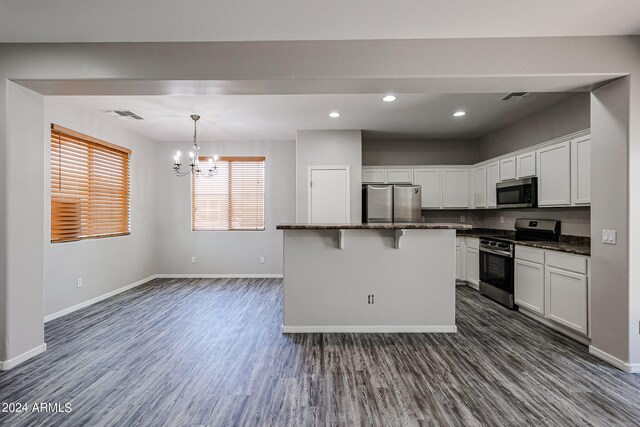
(497,255)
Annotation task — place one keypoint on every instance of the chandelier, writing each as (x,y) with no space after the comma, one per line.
(194,158)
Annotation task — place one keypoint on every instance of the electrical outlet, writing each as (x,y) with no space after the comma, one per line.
(501,219)
(193,260)
(261,260)
(462,218)
(79,282)
(371,299)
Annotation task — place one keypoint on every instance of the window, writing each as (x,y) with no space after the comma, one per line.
(89,187)
(231,200)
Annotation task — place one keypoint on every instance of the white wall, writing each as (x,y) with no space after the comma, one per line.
(25,174)
(223,252)
(104,264)
(328,148)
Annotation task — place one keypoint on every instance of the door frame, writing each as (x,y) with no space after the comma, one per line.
(345,168)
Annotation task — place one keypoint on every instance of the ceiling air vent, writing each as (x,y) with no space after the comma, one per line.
(123,114)
(515,95)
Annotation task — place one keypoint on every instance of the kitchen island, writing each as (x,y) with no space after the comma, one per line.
(369,277)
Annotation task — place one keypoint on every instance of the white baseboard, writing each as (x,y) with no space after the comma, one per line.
(218,276)
(5,365)
(380,329)
(632,368)
(576,336)
(97,299)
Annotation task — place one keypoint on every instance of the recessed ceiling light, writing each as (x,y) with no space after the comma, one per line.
(334,115)
(389,98)
(459,114)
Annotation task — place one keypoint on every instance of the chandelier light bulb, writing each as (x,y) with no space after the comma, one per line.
(194,163)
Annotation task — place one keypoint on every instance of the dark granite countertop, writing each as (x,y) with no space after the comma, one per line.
(377,226)
(570,244)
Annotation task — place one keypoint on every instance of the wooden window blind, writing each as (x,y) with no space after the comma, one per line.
(89,187)
(231,200)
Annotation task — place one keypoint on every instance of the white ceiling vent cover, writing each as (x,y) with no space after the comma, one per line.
(123,114)
(515,95)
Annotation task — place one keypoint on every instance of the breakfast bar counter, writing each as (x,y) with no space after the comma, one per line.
(369,277)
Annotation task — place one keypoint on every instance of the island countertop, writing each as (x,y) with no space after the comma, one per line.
(378,226)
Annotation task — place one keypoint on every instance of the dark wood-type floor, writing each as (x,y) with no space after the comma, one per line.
(210,352)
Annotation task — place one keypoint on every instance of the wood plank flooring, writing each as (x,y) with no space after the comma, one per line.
(210,352)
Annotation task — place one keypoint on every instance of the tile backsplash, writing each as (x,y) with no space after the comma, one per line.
(574,221)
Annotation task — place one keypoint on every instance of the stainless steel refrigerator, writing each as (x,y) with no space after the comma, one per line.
(391,203)
(407,203)
(377,203)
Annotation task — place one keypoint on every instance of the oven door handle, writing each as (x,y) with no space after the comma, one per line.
(495,252)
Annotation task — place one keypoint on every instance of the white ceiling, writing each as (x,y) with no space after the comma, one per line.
(250,20)
(277,117)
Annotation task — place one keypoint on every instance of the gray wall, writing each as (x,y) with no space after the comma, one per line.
(328,148)
(455,65)
(614,310)
(223,252)
(567,117)
(104,264)
(421,152)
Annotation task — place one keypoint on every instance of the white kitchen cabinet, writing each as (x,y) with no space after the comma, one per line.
(529,285)
(493,177)
(581,171)
(458,261)
(400,176)
(461,259)
(554,175)
(455,188)
(526,165)
(430,181)
(374,176)
(480,179)
(473,262)
(566,298)
(507,169)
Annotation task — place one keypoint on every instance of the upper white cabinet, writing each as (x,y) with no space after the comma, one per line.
(374,176)
(526,165)
(400,176)
(430,181)
(480,179)
(554,175)
(507,169)
(455,188)
(493,177)
(581,171)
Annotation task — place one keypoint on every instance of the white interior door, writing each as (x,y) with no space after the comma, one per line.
(329,195)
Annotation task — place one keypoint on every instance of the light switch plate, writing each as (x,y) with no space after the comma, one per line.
(609,237)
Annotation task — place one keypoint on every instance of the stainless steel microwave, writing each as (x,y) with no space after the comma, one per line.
(521,193)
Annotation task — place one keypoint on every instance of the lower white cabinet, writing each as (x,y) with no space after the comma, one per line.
(554,285)
(567,298)
(529,285)
(461,259)
(473,266)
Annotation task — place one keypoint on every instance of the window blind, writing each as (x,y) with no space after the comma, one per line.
(89,187)
(233,199)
